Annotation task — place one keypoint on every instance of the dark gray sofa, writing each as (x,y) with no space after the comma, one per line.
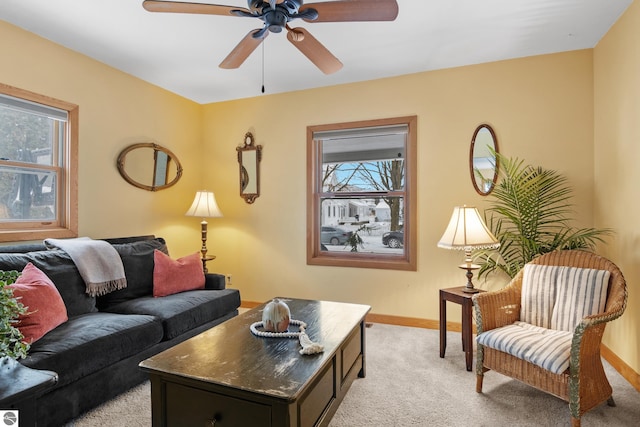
(97,351)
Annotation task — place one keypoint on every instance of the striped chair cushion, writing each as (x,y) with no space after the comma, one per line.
(547,348)
(538,294)
(580,292)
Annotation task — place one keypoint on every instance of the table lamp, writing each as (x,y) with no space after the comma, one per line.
(466,232)
(204,206)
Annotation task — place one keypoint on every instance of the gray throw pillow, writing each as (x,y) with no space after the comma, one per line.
(62,271)
(137,259)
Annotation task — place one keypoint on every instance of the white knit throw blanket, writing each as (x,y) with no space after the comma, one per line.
(97,261)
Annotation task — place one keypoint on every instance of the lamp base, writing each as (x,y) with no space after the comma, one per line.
(203,251)
(469,289)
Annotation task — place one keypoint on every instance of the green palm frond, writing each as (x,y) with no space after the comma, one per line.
(531,214)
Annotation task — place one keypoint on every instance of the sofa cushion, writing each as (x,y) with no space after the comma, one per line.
(550,349)
(183,311)
(45,308)
(581,292)
(172,276)
(90,342)
(59,267)
(137,259)
(538,294)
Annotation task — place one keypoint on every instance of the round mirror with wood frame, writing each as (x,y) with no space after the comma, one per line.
(483,163)
(149,166)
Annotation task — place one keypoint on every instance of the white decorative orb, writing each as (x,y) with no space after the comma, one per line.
(276,316)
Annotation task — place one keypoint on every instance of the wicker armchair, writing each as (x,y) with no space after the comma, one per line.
(584,384)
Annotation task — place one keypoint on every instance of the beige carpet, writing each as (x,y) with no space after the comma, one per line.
(408,384)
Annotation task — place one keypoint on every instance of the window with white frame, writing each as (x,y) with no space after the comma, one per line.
(38,166)
(365,174)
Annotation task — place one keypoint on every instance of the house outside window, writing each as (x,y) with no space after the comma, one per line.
(364,172)
(38,166)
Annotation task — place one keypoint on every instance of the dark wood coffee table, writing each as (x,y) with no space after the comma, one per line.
(227,376)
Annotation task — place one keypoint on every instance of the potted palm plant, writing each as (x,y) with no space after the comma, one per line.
(531,214)
(11,344)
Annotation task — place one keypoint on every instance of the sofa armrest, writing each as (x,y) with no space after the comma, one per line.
(214,281)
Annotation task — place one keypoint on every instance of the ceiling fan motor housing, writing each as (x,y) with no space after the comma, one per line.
(275,15)
(259,6)
(292,6)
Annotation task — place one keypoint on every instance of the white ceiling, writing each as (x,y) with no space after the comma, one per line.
(181,52)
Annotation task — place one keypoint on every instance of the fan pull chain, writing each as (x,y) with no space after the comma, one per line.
(262,66)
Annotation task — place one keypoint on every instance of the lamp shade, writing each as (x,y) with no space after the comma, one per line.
(204,206)
(466,231)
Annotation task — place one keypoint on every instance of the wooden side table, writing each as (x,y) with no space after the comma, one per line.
(205,259)
(456,295)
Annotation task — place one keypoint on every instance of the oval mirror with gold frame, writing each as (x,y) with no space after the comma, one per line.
(149,166)
(249,156)
(483,163)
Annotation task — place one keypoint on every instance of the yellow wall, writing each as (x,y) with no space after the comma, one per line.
(542,109)
(617,175)
(116,110)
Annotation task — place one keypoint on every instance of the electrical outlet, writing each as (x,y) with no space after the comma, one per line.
(228,276)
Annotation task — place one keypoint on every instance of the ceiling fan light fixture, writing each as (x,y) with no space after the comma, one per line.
(275,20)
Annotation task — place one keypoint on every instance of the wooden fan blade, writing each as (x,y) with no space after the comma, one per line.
(354,10)
(314,50)
(242,51)
(199,8)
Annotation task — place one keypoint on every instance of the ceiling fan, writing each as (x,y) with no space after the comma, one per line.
(276,15)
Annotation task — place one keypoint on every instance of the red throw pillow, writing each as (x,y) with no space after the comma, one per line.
(173,276)
(45,307)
